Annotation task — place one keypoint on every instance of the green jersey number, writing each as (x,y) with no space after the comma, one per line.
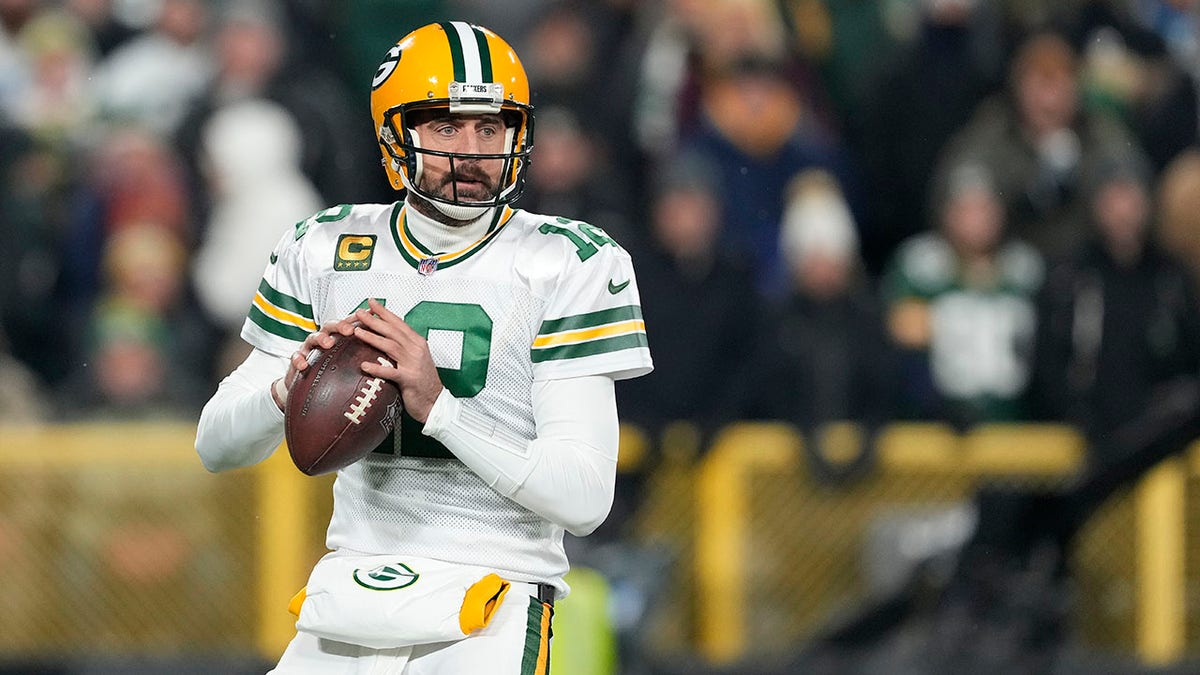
(329,215)
(476,327)
(587,244)
(465,381)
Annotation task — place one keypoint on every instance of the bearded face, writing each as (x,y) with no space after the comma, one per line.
(457,178)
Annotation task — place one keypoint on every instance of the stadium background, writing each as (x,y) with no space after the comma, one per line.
(736,545)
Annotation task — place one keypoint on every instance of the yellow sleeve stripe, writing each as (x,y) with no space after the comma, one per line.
(585,334)
(282,315)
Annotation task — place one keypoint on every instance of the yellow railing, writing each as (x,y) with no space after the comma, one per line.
(745,451)
(70,494)
(1161,535)
(276,499)
(286,515)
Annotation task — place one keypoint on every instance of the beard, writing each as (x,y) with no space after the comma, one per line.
(479,186)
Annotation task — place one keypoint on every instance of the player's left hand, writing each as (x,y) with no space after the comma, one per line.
(414,372)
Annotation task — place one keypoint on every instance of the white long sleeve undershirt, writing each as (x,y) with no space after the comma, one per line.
(567,474)
(241,425)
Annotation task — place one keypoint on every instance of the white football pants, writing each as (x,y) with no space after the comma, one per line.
(515,642)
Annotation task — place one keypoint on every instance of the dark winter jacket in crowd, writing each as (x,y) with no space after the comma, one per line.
(704,317)
(1110,335)
(822,361)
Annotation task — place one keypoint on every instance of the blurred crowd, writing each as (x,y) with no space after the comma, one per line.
(949,210)
(964,211)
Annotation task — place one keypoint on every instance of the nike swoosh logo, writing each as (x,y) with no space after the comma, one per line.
(274,257)
(617,288)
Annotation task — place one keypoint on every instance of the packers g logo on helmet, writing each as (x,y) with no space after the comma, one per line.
(462,68)
(386,68)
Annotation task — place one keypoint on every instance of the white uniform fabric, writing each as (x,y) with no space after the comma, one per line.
(515,641)
(241,424)
(385,601)
(536,299)
(567,474)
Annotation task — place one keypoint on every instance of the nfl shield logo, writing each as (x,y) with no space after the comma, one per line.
(427,266)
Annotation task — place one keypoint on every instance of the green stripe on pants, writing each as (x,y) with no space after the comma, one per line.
(536,660)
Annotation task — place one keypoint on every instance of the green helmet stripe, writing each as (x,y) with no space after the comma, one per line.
(485,55)
(456,52)
(473,47)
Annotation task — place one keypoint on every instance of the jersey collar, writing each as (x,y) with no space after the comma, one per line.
(416,253)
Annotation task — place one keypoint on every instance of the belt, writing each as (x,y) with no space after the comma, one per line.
(543,592)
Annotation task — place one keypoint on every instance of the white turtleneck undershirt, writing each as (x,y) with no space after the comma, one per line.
(441,238)
(567,474)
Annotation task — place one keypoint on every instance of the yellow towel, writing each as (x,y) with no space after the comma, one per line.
(481,602)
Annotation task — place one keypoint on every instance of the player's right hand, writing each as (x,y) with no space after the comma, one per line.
(322,339)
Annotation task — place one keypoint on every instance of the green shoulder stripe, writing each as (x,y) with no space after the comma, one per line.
(590,348)
(591,319)
(284,301)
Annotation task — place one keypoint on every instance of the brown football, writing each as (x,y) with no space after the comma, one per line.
(336,414)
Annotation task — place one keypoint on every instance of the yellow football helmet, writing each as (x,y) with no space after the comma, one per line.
(464,68)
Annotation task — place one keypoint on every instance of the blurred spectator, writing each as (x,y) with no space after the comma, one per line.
(39,154)
(14,65)
(758,130)
(252,63)
(152,79)
(139,357)
(1117,354)
(941,74)
(37,179)
(730,31)
(960,304)
(22,398)
(1120,319)
(663,76)
(133,177)
(1128,71)
(251,151)
(701,302)
(1179,209)
(847,41)
(824,355)
(58,105)
(688,40)
(573,176)
(1177,22)
(1039,144)
(106,29)
(572,54)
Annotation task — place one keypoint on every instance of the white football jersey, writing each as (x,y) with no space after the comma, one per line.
(535,298)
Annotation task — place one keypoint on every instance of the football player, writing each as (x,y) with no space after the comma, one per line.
(506,329)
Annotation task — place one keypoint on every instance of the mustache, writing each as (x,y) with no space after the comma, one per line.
(467,174)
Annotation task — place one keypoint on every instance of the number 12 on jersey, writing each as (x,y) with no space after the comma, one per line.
(585,246)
